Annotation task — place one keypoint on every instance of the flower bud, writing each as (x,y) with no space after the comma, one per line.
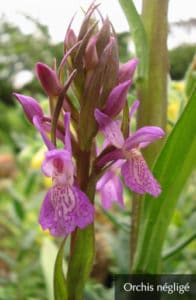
(127,70)
(117,99)
(30,106)
(91,57)
(110,67)
(70,39)
(48,79)
(103,36)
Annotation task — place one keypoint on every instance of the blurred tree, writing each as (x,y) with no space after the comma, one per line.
(180,59)
(191,78)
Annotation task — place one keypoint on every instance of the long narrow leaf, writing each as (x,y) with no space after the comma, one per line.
(60,289)
(80,263)
(172,169)
(47,259)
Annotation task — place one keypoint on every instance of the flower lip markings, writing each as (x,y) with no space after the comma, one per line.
(135,171)
(62,209)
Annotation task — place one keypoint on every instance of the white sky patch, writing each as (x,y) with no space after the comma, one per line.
(21,78)
(56,14)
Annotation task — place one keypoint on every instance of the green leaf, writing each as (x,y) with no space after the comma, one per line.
(172,169)
(179,247)
(81,260)
(60,288)
(139,35)
(19,209)
(51,262)
(47,259)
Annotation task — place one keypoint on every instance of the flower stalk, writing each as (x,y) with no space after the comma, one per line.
(150,37)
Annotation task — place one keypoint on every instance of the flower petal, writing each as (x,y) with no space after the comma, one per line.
(138,177)
(104,179)
(58,211)
(145,135)
(38,124)
(110,129)
(30,106)
(109,174)
(65,203)
(58,164)
(114,155)
(111,189)
(134,107)
(47,128)
(116,99)
(127,70)
(85,210)
(46,216)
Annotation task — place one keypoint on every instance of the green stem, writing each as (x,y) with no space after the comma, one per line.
(152,90)
(82,241)
(83,166)
(150,38)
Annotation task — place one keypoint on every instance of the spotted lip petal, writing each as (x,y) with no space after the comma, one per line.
(53,217)
(30,106)
(110,129)
(138,177)
(84,210)
(65,208)
(144,135)
(46,216)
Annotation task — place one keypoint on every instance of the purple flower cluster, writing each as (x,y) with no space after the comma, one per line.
(100,87)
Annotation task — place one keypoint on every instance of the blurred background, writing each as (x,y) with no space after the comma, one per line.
(32,31)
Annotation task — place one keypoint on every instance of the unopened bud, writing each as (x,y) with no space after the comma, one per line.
(127,70)
(110,66)
(91,57)
(48,79)
(103,36)
(70,39)
(117,99)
